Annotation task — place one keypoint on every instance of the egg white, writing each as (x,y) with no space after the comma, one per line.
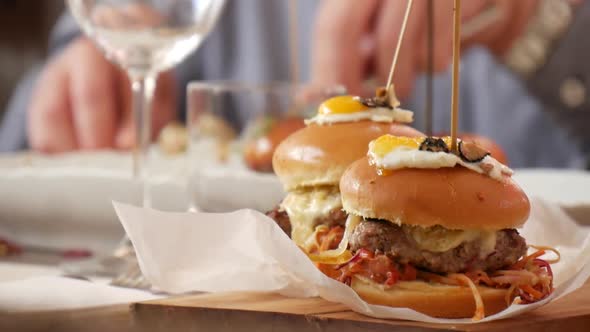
(379,114)
(405,157)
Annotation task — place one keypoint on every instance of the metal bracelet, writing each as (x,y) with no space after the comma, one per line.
(531,50)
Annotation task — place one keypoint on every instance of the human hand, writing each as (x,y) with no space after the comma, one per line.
(355,40)
(82,101)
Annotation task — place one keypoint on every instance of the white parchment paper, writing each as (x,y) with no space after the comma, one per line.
(247,251)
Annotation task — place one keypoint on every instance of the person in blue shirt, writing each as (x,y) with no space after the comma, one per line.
(524,73)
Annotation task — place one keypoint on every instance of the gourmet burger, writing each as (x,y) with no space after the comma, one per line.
(310,162)
(432,230)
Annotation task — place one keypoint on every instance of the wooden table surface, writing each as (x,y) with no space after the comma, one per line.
(109,318)
(273,312)
(187,313)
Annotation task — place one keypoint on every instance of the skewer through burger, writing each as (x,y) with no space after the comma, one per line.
(436,231)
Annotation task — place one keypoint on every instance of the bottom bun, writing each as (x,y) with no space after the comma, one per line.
(435,300)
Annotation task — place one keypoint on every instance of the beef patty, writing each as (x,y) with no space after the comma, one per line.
(336,217)
(378,235)
(281,218)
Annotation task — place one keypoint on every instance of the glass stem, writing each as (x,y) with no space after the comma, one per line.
(143,87)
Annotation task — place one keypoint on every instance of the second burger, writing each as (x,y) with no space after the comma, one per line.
(310,162)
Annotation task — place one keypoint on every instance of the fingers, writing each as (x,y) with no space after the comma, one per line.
(337,56)
(93,97)
(81,101)
(414,53)
(482,19)
(164,102)
(442,39)
(140,15)
(163,107)
(513,19)
(50,128)
(492,23)
(125,135)
(134,15)
(73,104)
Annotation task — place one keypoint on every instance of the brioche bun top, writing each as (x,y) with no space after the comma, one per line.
(455,198)
(318,154)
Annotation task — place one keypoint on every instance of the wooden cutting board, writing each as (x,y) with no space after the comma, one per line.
(272,312)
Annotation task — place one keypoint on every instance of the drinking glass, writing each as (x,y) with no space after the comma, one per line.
(145,37)
(225,121)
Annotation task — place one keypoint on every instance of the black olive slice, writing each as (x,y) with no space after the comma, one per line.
(433,144)
(471,152)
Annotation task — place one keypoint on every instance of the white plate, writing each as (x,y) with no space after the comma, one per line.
(568,188)
(66,201)
(10,271)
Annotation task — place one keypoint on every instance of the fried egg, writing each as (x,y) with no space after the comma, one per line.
(350,109)
(390,152)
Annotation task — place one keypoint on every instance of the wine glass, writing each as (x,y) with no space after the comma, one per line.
(146,37)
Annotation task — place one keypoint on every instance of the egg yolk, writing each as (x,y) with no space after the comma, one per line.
(341,105)
(387,143)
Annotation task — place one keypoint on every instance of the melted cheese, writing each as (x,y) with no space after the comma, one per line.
(488,243)
(304,207)
(440,239)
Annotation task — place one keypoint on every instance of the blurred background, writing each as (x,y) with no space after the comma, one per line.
(524,85)
(24,34)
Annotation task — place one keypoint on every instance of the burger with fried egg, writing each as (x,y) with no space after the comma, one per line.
(435,231)
(311,161)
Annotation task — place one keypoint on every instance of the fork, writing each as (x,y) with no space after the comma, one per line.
(131,278)
(121,264)
(112,265)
